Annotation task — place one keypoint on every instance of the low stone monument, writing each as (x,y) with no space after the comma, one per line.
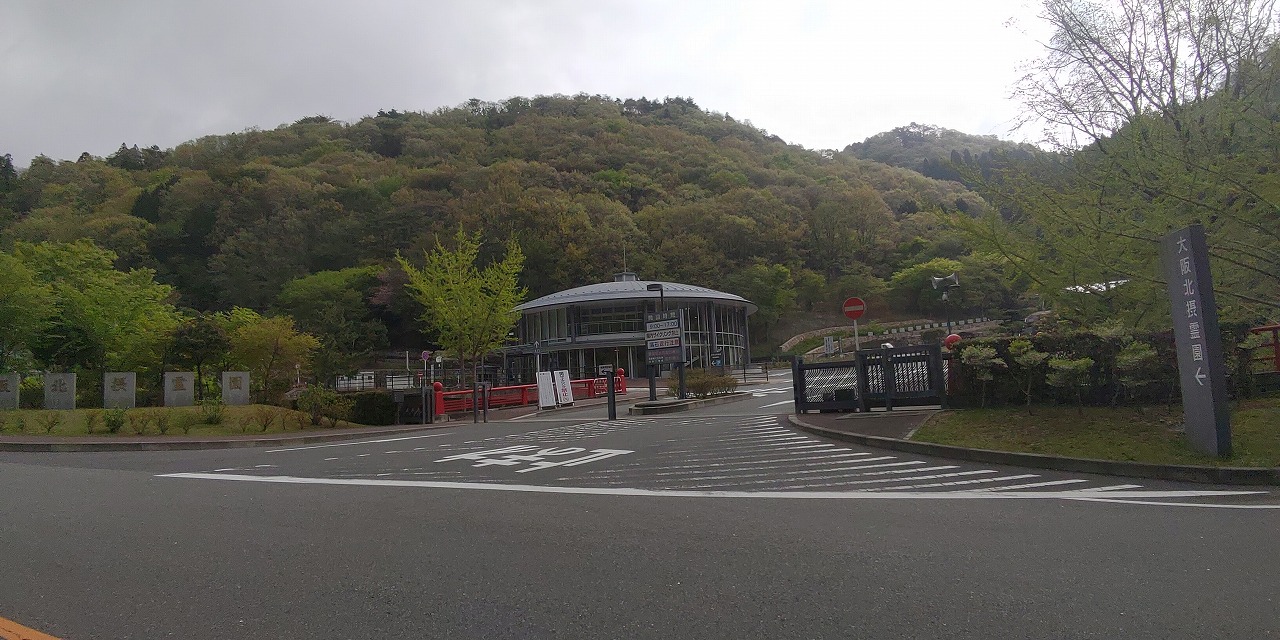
(235,387)
(9,384)
(179,388)
(60,391)
(120,390)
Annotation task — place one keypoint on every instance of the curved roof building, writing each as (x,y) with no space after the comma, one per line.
(583,328)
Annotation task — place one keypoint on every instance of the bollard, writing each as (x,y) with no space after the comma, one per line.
(613,396)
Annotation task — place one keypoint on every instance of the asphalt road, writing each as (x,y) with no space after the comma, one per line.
(722,523)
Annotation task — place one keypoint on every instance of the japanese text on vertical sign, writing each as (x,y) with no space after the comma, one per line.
(1191,304)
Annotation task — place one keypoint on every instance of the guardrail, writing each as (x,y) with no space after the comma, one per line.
(465,400)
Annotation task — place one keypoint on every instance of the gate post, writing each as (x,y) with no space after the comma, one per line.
(797,384)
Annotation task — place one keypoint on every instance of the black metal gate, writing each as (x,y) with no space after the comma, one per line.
(888,378)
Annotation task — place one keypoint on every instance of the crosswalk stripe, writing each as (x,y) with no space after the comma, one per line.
(961,482)
(1033,485)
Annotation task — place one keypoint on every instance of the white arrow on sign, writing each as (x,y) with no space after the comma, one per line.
(1200,376)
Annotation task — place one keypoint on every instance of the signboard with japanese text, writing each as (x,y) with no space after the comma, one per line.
(1201,365)
(235,387)
(60,391)
(546,390)
(664,337)
(564,387)
(179,389)
(9,383)
(119,390)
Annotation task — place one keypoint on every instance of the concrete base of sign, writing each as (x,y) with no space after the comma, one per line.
(672,405)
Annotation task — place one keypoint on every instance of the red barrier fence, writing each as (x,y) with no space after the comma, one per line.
(520,395)
(1274,356)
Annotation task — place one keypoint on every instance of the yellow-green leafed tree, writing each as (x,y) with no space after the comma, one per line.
(271,349)
(472,309)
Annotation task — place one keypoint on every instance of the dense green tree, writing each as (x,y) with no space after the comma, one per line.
(771,288)
(106,318)
(271,349)
(199,341)
(333,306)
(27,307)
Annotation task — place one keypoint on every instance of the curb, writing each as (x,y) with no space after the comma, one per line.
(70,446)
(685,405)
(1184,473)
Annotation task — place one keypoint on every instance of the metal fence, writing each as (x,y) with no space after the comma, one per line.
(901,376)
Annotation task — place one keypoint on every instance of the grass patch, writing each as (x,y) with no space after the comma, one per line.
(1137,434)
(168,421)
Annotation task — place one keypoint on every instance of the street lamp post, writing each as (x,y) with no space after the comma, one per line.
(947,283)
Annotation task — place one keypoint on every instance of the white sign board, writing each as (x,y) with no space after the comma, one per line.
(546,390)
(564,389)
(828,345)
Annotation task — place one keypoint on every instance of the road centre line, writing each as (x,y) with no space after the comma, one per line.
(776,495)
(352,444)
(766,406)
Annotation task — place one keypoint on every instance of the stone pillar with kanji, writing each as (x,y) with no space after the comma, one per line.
(119,390)
(235,387)
(60,391)
(179,389)
(9,387)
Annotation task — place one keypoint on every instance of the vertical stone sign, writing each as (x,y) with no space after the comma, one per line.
(60,391)
(179,389)
(9,383)
(119,390)
(1196,336)
(235,387)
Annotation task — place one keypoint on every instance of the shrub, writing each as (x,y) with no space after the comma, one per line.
(1136,367)
(984,361)
(113,420)
(300,419)
(265,416)
(50,421)
(1029,362)
(702,383)
(1070,375)
(162,419)
(316,401)
(92,418)
(339,410)
(138,420)
(185,420)
(212,410)
(374,408)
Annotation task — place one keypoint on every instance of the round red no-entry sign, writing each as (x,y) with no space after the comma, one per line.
(854,308)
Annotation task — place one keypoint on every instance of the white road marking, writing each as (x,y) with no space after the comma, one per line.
(1117,487)
(352,444)
(783,495)
(776,404)
(960,482)
(1033,485)
(785,464)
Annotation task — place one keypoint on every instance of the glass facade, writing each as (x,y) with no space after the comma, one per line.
(582,336)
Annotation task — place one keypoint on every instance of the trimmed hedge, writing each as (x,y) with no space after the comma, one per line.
(1103,384)
(702,383)
(372,408)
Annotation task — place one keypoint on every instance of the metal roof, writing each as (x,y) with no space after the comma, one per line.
(630,290)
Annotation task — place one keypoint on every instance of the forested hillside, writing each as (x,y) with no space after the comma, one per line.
(937,152)
(688,195)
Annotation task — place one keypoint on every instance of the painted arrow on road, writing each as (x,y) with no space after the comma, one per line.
(1200,376)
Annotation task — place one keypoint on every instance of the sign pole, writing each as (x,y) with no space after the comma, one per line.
(856,345)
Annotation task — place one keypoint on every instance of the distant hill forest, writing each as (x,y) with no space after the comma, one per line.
(685,194)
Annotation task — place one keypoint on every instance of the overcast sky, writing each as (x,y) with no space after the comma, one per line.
(88,75)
